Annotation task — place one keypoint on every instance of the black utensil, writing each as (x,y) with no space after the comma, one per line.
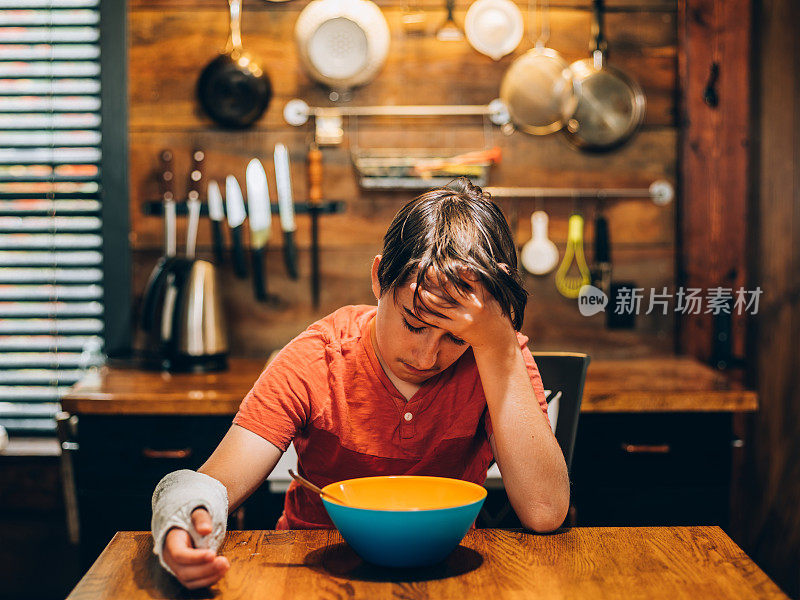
(601,267)
(314,197)
(216,214)
(233,89)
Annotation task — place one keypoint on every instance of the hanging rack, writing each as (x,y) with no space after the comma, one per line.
(328,120)
(660,192)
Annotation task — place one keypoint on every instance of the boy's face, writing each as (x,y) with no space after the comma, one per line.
(413,350)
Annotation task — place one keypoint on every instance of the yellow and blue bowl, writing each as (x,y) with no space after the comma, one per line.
(404,520)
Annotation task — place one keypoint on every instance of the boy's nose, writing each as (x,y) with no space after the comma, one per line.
(426,358)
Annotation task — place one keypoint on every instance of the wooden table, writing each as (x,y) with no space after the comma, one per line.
(663,384)
(585,563)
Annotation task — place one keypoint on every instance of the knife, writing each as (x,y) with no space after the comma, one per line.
(168,199)
(283,181)
(193,201)
(217,214)
(234,203)
(170,245)
(260,213)
(314,197)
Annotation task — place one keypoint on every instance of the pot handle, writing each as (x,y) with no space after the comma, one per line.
(599,43)
(235,33)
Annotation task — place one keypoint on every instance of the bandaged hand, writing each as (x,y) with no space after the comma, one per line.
(193,567)
(190,514)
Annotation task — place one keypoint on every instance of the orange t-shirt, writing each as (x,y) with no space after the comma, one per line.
(327,392)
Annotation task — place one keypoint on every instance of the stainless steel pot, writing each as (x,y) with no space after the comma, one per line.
(611,105)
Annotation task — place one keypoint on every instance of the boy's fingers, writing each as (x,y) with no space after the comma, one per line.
(201,520)
(434,301)
(217,568)
(429,297)
(179,546)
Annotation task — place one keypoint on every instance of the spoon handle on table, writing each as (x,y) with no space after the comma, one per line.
(307,484)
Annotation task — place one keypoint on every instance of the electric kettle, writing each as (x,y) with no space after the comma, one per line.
(182,314)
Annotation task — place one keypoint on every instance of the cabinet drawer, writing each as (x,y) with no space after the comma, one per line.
(652,450)
(134,452)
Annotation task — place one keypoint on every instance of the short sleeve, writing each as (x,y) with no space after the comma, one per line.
(280,402)
(536,380)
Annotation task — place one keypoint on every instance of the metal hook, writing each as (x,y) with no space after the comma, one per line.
(710,95)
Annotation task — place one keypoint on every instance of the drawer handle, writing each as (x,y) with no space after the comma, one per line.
(182,453)
(646,448)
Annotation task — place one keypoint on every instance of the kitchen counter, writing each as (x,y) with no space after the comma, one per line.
(583,562)
(667,384)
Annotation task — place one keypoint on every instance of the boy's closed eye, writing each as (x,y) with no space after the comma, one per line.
(450,336)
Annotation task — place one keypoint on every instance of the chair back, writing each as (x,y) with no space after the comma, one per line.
(563,375)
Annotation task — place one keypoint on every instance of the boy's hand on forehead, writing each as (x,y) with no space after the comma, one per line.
(475,317)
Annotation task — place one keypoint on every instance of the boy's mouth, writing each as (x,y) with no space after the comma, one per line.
(419,371)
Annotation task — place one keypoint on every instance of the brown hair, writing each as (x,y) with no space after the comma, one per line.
(448,229)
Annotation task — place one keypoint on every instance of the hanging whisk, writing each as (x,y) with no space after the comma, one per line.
(570,286)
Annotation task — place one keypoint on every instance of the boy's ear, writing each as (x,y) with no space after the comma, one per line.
(376,286)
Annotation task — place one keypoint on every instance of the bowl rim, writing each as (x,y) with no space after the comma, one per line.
(405,510)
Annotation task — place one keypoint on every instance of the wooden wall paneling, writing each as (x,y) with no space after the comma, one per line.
(773,523)
(713,159)
(553,322)
(169,48)
(546,162)
(171,42)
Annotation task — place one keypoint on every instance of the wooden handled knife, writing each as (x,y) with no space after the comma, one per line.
(217,215)
(283,181)
(234,203)
(260,214)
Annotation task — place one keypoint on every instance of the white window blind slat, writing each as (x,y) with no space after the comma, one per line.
(62,224)
(44,275)
(49,69)
(48,34)
(46,292)
(49,138)
(15,156)
(49,121)
(50,309)
(46,342)
(32,87)
(54,4)
(49,51)
(58,326)
(49,103)
(34,376)
(51,279)
(14,258)
(20,17)
(36,206)
(51,360)
(32,392)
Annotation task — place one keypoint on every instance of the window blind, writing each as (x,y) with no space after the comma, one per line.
(51,276)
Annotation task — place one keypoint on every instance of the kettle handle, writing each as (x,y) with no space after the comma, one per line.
(153,292)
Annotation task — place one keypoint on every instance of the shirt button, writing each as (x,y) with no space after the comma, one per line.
(408,416)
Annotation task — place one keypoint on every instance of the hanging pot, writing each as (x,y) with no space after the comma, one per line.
(233,89)
(342,43)
(611,105)
(538,89)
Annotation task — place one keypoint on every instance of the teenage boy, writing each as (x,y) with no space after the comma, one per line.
(435,380)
